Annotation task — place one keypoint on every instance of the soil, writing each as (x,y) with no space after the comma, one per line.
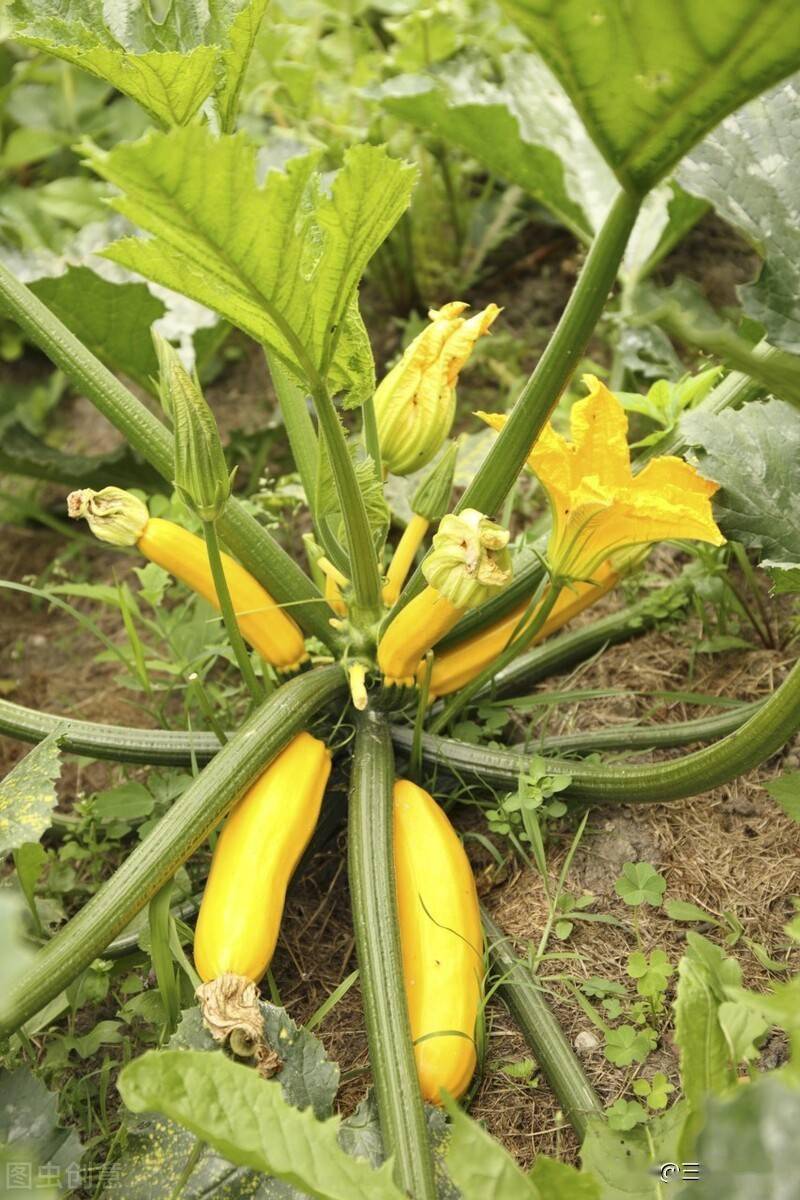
(731,850)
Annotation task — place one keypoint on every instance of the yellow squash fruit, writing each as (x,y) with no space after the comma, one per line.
(255,856)
(441,940)
(118,517)
(468,562)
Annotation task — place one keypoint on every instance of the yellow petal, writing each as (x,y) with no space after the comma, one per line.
(671,471)
(599,427)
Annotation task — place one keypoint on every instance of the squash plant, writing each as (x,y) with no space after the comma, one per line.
(281,256)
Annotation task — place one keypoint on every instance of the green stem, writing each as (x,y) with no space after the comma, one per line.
(766,732)
(174,839)
(158,915)
(651,737)
(746,568)
(505,460)
(523,635)
(299,427)
(372,892)
(363,560)
(248,540)
(524,998)
(229,613)
(372,438)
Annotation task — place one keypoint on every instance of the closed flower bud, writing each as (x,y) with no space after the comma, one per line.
(201,473)
(113,515)
(415,402)
(469,560)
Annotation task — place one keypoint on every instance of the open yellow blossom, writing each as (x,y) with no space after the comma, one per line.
(598,506)
(416,402)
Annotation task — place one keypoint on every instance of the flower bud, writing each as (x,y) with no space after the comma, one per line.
(469,560)
(113,515)
(201,473)
(415,402)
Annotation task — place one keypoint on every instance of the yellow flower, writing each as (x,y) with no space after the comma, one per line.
(415,403)
(598,506)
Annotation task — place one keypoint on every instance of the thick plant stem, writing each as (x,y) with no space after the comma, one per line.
(363,559)
(176,836)
(298,425)
(248,540)
(168,748)
(525,1000)
(372,892)
(776,721)
(505,460)
(229,613)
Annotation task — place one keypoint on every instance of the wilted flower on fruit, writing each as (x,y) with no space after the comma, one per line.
(598,505)
(415,403)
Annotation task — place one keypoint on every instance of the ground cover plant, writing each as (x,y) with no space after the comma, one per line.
(394,824)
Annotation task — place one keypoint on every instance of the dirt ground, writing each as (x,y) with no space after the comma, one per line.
(731,849)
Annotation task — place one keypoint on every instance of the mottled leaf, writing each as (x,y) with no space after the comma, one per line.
(649,80)
(281,259)
(246,1118)
(754,454)
(157,1148)
(28,795)
(749,169)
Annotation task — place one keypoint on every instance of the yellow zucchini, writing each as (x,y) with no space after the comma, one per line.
(256,853)
(417,627)
(263,624)
(441,940)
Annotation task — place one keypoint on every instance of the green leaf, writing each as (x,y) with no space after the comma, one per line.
(704,1056)
(649,80)
(624,1162)
(158,1148)
(30,1132)
(27,795)
(559,1181)
(755,455)
(627,1044)
(327,504)
(749,1146)
(112,319)
(682,910)
(640,883)
(786,790)
(479,1166)
(246,1119)
(169,66)
(282,260)
(525,130)
(749,169)
(21,453)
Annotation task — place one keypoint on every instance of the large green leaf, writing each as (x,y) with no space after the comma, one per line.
(22,453)
(282,259)
(157,1148)
(754,455)
(480,1167)
(247,1119)
(749,1149)
(650,79)
(749,169)
(28,795)
(525,130)
(168,66)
